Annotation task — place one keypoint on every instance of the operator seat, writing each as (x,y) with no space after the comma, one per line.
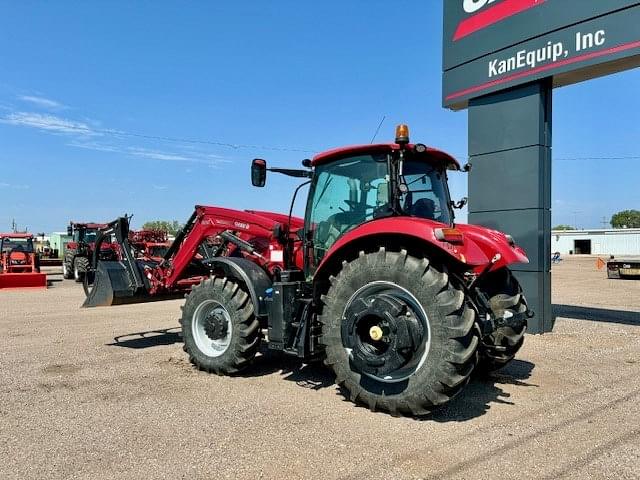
(424,208)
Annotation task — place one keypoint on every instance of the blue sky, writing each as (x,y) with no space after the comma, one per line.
(277,80)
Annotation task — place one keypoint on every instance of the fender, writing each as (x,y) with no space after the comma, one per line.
(475,252)
(492,242)
(416,229)
(254,277)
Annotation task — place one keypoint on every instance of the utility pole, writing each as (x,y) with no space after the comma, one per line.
(575,219)
(605,223)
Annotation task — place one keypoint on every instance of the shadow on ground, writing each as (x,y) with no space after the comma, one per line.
(474,401)
(597,314)
(148,339)
(313,376)
(483,390)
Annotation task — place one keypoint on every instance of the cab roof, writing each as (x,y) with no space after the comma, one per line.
(432,155)
(90,226)
(16,235)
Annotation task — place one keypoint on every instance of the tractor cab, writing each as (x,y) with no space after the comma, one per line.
(85,233)
(16,243)
(355,185)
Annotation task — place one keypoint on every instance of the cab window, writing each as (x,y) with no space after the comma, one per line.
(346,194)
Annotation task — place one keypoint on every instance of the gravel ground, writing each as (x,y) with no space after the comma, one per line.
(77,403)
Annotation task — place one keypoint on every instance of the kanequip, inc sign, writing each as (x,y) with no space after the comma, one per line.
(490,45)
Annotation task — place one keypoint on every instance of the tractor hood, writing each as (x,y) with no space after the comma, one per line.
(296,222)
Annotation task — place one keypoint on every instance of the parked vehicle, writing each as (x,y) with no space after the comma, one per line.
(378,279)
(624,268)
(19,263)
(80,249)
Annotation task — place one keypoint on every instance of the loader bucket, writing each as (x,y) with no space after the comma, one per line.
(113,285)
(23,280)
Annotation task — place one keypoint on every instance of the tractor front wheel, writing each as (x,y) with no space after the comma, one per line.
(80,268)
(398,333)
(67,267)
(505,300)
(219,327)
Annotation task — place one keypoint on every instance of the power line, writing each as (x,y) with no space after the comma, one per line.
(121,133)
(61,127)
(573,159)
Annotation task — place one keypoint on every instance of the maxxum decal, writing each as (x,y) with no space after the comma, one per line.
(490,15)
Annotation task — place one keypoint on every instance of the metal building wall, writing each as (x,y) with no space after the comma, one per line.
(602,242)
(59,240)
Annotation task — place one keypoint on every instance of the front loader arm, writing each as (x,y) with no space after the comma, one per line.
(206,222)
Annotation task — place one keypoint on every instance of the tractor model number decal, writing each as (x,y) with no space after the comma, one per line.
(241,225)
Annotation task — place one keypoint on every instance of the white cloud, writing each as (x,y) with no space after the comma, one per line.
(100,147)
(153,154)
(49,123)
(158,155)
(160,187)
(14,186)
(42,102)
(88,134)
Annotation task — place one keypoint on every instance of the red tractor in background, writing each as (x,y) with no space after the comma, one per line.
(19,263)
(151,244)
(80,249)
(377,279)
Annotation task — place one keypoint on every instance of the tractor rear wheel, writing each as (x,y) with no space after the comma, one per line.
(505,299)
(398,333)
(220,330)
(80,268)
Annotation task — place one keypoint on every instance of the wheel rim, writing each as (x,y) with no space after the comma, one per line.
(64,269)
(212,343)
(76,273)
(386,332)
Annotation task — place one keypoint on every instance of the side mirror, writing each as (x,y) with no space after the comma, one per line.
(460,203)
(467,167)
(258,172)
(69,230)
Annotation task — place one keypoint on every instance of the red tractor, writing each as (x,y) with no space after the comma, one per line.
(80,249)
(19,265)
(151,244)
(377,279)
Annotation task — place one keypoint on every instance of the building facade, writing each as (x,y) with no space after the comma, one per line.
(596,242)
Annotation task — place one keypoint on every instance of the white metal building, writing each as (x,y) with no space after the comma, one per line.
(596,242)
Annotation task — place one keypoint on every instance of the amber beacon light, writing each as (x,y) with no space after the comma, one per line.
(402,134)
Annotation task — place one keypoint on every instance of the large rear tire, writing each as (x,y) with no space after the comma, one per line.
(220,330)
(389,294)
(505,299)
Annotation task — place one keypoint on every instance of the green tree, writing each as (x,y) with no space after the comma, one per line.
(563,227)
(626,219)
(171,227)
